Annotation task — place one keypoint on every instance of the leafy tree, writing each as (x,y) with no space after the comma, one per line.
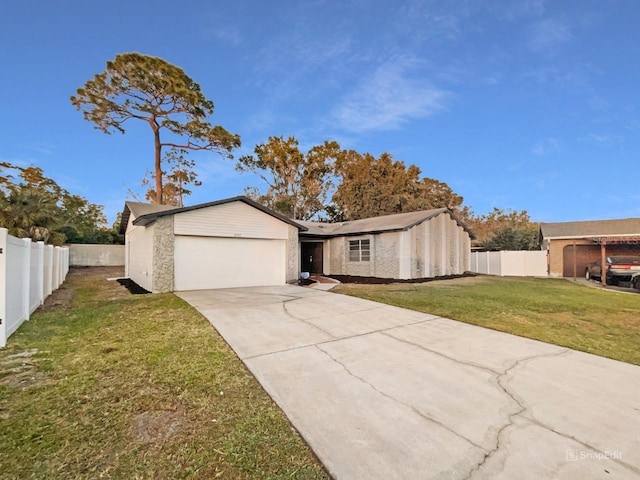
(35,206)
(174,184)
(27,214)
(502,229)
(486,226)
(298,183)
(372,186)
(510,238)
(439,194)
(150,89)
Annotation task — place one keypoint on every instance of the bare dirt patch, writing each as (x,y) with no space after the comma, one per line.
(157,426)
(62,298)
(19,370)
(467,280)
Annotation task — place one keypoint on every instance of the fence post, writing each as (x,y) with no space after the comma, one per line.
(3,286)
(26,279)
(55,268)
(48,269)
(40,281)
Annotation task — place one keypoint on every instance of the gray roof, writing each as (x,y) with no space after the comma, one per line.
(138,209)
(385,223)
(146,213)
(591,228)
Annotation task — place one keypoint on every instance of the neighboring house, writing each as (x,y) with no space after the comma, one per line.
(237,242)
(427,243)
(229,243)
(571,246)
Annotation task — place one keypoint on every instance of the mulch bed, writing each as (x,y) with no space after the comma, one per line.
(132,286)
(385,281)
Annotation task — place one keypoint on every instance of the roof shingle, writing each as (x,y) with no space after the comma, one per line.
(384,223)
(591,228)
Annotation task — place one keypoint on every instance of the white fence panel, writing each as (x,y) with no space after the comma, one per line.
(28,273)
(36,278)
(495,264)
(481,261)
(55,276)
(510,263)
(536,264)
(82,255)
(48,267)
(17,254)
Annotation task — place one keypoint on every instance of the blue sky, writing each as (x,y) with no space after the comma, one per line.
(522,104)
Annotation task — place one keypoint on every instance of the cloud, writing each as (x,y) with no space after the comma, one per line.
(515,167)
(421,20)
(43,148)
(388,99)
(548,34)
(603,140)
(295,66)
(226,34)
(542,182)
(215,170)
(515,9)
(546,147)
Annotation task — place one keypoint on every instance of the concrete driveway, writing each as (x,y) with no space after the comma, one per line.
(381,392)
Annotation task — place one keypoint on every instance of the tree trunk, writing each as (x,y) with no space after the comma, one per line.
(158,162)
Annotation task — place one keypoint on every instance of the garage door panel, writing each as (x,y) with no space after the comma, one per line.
(215,262)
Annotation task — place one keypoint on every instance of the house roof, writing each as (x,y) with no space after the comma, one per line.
(591,228)
(385,223)
(146,213)
(138,209)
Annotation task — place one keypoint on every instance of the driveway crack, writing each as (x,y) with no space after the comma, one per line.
(584,444)
(440,354)
(286,311)
(520,403)
(500,379)
(407,405)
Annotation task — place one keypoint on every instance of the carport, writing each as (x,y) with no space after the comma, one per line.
(571,246)
(578,256)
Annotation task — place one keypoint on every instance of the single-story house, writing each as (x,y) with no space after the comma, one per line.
(428,243)
(237,242)
(571,246)
(234,242)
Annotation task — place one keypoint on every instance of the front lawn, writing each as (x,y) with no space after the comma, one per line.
(121,386)
(552,310)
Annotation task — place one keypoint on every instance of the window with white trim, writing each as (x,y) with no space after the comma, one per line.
(359,250)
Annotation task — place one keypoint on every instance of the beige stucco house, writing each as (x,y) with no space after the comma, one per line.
(428,243)
(229,243)
(237,242)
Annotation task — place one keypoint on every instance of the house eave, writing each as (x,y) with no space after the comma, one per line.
(149,218)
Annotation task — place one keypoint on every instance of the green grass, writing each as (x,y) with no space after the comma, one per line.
(551,310)
(103,363)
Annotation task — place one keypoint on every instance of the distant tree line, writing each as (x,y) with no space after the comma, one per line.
(35,206)
(328,183)
(325,183)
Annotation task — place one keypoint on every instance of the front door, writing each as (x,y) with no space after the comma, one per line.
(312,257)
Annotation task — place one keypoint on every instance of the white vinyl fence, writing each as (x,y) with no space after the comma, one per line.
(29,272)
(96,255)
(510,263)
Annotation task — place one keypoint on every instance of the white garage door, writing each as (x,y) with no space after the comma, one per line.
(213,262)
